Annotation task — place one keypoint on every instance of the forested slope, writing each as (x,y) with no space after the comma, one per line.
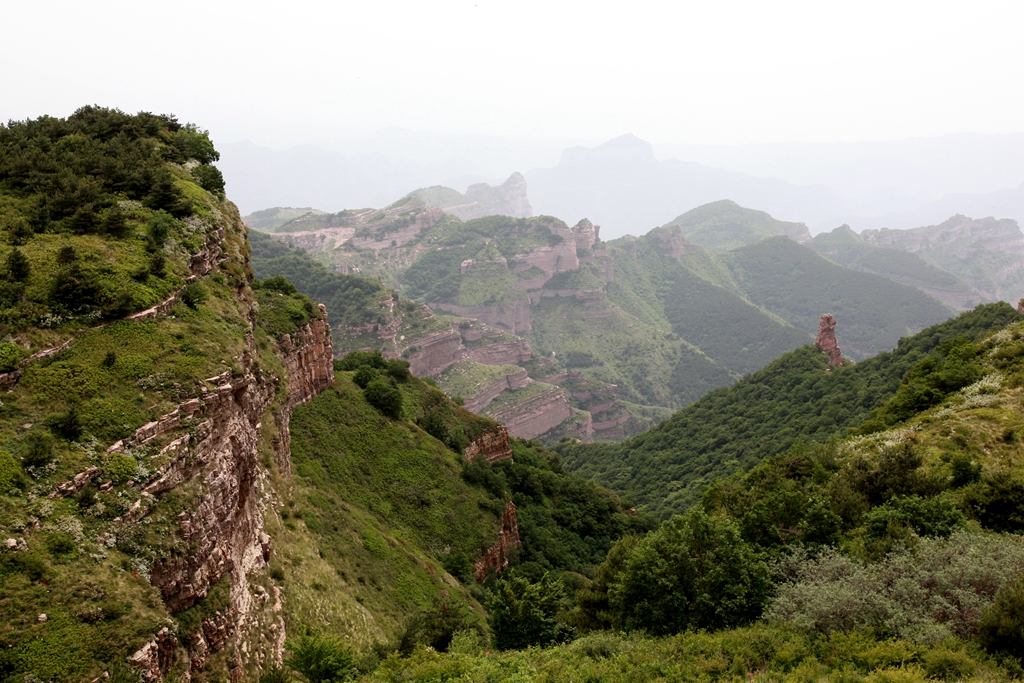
(734,428)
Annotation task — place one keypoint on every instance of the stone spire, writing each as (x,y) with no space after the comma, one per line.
(826,340)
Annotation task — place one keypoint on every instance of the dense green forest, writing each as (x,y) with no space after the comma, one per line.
(792,399)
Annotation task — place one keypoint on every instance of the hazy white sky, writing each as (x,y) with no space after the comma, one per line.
(687,72)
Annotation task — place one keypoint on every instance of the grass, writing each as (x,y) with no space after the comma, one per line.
(467,378)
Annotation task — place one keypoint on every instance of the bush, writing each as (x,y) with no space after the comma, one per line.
(10,354)
(158,228)
(322,659)
(68,424)
(18,268)
(925,516)
(1002,625)
(10,474)
(938,589)
(384,397)
(695,571)
(279,283)
(209,178)
(355,359)
(121,467)
(523,614)
(398,368)
(193,294)
(364,375)
(37,448)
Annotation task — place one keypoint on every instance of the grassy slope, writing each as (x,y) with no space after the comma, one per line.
(733,428)
(725,225)
(799,285)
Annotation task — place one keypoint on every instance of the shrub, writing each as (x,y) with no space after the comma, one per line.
(355,359)
(998,502)
(10,354)
(433,423)
(398,368)
(1002,625)
(158,228)
(364,375)
(109,360)
(209,178)
(10,475)
(925,516)
(193,294)
(321,659)
(695,571)
(67,424)
(384,397)
(924,595)
(279,283)
(37,448)
(523,614)
(18,268)
(121,467)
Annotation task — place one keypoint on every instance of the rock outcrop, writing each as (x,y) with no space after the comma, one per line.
(436,352)
(217,462)
(536,415)
(493,444)
(507,199)
(826,340)
(495,558)
(517,380)
(514,317)
(501,353)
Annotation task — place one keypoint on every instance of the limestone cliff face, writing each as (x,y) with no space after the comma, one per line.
(513,317)
(493,444)
(501,353)
(437,351)
(495,558)
(517,380)
(826,340)
(536,415)
(215,462)
(670,241)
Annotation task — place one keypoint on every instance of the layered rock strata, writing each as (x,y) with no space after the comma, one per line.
(493,445)
(436,352)
(495,558)
(514,381)
(826,340)
(536,415)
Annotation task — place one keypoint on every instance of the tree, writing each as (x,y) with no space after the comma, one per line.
(18,268)
(384,397)
(693,572)
(523,613)
(1002,624)
(321,659)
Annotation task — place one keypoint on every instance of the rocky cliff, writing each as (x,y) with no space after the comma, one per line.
(493,445)
(495,558)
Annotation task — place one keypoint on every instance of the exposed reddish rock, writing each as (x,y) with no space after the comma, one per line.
(437,351)
(826,340)
(516,380)
(514,317)
(153,659)
(495,558)
(493,444)
(1020,305)
(585,234)
(309,359)
(537,415)
(501,353)
(670,241)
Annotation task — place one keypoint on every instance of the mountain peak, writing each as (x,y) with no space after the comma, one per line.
(625,148)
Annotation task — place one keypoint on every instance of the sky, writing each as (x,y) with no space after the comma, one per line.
(702,72)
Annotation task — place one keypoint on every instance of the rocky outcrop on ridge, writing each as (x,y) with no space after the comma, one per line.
(493,445)
(826,340)
(536,415)
(517,380)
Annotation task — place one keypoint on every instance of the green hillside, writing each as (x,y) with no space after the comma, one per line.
(725,225)
(799,285)
(845,247)
(792,399)
(890,555)
(271,219)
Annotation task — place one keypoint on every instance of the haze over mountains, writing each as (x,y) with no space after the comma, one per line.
(629,186)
